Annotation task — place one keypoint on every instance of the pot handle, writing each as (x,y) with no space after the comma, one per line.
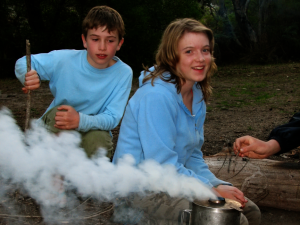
(186,217)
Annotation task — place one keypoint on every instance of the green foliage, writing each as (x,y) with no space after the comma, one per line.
(279,40)
(284,29)
(56,24)
(145,22)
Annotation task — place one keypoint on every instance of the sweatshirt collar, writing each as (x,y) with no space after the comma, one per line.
(198,102)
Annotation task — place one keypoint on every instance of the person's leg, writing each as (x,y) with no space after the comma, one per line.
(49,120)
(243,220)
(252,213)
(158,209)
(92,140)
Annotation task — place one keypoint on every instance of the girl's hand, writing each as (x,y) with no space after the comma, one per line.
(32,81)
(67,118)
(231,192)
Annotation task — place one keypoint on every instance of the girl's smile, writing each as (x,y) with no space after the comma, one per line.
(194,57)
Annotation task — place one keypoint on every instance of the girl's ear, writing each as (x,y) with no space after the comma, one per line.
(83,41)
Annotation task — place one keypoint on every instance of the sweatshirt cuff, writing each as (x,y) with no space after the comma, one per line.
(82,122)
(218,182)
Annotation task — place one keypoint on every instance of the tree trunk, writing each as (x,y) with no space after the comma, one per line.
(263,16)
(266,182)
(228,28)
(240,10)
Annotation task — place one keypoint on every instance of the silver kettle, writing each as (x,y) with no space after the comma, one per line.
(212,212)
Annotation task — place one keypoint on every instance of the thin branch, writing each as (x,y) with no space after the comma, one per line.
(28,60)
(64,221)
(78,206)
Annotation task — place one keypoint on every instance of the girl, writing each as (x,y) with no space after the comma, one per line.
(164,119)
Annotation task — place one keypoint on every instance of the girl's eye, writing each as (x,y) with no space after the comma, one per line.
(206,50)
(188,51)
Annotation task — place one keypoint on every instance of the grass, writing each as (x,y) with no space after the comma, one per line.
(243,86)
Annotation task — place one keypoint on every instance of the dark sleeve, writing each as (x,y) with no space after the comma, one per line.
(287,135)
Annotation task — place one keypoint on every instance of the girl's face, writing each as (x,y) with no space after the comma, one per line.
(194,56)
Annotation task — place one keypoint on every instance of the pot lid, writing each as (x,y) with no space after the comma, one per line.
(220,203)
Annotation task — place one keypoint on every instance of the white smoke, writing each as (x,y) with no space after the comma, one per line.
(31,160)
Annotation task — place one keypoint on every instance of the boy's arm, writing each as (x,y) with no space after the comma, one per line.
(287,135)
(111,116)
(282,139)
(43,64)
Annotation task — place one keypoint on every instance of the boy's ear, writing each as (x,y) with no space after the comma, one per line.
(83,41)
(120,44)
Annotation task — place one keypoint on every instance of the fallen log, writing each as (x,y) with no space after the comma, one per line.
(266,182)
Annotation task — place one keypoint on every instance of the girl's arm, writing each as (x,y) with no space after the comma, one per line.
(157,131)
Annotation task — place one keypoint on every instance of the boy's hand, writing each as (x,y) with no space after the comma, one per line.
(231,192)
(32,81)
(67,118)
(254,148)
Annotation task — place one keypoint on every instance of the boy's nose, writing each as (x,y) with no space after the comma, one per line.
(102,46)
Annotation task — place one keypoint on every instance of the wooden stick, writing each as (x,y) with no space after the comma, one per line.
(28,59)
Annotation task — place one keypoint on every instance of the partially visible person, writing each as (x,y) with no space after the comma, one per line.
(90,87)
(164,121)
(282,139)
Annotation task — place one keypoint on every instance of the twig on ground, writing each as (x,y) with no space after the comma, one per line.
(21,216)
(78,206)
(63,221)
(97,214)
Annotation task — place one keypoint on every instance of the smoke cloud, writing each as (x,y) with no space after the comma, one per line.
(33,160)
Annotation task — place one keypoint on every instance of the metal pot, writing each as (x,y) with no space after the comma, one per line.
(211,212)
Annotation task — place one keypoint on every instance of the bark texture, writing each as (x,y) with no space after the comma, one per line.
(266,182)
(240,10)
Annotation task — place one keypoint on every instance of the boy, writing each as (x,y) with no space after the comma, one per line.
(90,87)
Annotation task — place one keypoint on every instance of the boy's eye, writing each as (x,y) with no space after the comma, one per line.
(110,41)
(94,39)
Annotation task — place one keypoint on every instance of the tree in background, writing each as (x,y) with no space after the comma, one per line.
(256,31)
(56,24)
(246,30)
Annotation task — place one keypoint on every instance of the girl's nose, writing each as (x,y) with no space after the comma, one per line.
(200,57)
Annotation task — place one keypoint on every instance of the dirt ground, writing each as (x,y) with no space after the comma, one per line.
(247,100)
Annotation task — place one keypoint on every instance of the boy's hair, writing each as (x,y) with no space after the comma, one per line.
(103,16)
(167,55)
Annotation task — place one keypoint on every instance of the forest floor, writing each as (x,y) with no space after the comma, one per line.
(247,100)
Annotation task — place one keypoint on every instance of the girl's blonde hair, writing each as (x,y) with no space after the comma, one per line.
(167,55)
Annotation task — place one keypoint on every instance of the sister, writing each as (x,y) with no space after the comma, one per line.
(164,119)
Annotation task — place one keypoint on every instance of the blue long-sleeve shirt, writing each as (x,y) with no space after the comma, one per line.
(157,125)
(99,95)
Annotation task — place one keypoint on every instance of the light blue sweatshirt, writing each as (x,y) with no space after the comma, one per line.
(157,125)
(99,95)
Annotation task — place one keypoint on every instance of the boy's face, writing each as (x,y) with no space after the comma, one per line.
(101,46)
